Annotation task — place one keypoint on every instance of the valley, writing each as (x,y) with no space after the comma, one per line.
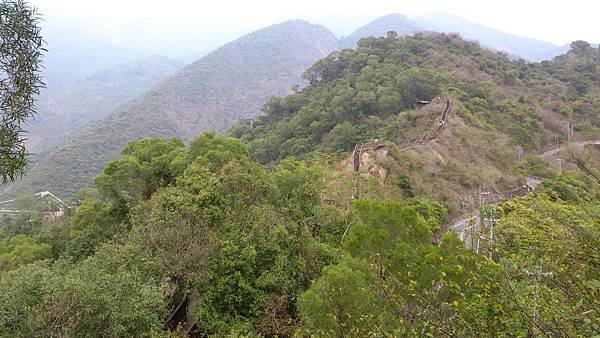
(423,176)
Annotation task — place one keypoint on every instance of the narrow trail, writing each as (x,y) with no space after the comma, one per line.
(433,133)
(436,131)
(469,224)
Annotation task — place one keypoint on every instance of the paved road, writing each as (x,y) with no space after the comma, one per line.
(470,224)
(466,226)
(555,151)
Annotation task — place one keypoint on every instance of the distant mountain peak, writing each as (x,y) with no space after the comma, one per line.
(527,48)
(392,16)
(227,85)
(380,27)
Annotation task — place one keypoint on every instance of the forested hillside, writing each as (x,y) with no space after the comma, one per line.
(205,241)
(72,57)
(62,113)
(372,92)
(222,88)
(213,93)
(269,233)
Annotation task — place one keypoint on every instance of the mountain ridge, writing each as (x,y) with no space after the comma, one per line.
(93,97)
(527,48)
(399,23)
(187,103)
(229,84)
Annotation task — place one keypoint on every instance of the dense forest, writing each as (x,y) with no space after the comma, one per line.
(252,250)
(264,232)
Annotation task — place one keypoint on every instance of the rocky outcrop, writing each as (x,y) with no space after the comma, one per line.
(366,158)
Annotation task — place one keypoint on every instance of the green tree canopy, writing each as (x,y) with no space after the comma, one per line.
(21,48)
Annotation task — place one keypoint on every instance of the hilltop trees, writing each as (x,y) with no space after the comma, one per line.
(393,282)
(207,223)
(21,48)
(207,240)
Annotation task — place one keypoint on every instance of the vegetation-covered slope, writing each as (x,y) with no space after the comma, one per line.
(371,93)
(225,86)
(206,241)
(211,94)
(75,105)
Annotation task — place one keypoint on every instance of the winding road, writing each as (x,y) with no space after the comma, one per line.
(469,225)
(555,151)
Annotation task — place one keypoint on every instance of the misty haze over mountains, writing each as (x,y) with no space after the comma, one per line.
(72,57)
(88,79)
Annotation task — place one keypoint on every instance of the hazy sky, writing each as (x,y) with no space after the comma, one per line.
(180,26)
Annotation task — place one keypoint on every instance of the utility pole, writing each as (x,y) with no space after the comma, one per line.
(571,131)
(556,142)
(482,194)
(560,160)
(538,274)
(472,234)
(491,221)
(520,154)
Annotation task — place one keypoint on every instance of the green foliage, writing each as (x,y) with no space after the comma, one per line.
(402,181)
(102,296)
(20,66)
(547,245)
(21,250)
(239,241)
(417,84)
(392,282)
(80,235)
(341,304)
(252,250)
(395,283)
(371,92)
(145,166)
(537,166)
(346,88)
(382,226)
(432,211)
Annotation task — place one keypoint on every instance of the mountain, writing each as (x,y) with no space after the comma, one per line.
(554,52)
(401,136)
(93,97)
(229,84)
(499,106)
(72,57)
(527,48)
(379,27)
(191,58)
